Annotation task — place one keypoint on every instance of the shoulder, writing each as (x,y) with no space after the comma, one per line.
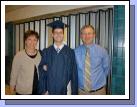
(100,49)
(68,49)
(44,50)
(78,49)
(20,53)
(49,48)
(47,51)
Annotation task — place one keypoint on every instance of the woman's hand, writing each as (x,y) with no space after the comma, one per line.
(12,90)
(46,93)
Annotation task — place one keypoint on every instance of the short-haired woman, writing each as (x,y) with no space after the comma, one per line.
(24,74)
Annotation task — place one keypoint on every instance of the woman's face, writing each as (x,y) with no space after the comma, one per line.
(31,42)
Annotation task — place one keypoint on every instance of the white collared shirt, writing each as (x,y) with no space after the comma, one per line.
(60,47)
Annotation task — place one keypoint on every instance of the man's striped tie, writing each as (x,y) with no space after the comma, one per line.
(57,50)
(87,85)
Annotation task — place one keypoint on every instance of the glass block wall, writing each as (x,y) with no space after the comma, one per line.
(118,61)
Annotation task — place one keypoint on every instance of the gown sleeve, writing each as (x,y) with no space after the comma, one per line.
(42,83)
(74,77)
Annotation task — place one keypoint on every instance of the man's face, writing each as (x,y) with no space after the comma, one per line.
(87,36)
(58,35)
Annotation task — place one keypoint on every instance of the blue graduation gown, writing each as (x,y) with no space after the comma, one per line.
(61,68)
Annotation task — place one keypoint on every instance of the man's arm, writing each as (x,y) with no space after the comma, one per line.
(42,84)
(106,62)
(74,77)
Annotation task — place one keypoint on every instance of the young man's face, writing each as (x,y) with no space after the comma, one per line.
(58,35)
(87,35)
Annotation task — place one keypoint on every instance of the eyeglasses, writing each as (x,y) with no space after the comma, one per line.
(56,33)
(89,33)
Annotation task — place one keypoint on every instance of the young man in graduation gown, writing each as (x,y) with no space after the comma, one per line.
(58,66)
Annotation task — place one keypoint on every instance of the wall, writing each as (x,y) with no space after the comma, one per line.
(118,67)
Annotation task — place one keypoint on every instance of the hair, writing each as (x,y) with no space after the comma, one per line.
(30,33)
(87,26)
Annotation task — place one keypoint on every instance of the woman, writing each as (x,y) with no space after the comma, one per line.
(24,74)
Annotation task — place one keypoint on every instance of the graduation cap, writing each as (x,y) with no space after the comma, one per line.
(57,24)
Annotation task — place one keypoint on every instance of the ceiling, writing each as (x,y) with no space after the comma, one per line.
(9,8)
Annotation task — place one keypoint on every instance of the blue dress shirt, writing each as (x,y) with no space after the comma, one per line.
(100,64)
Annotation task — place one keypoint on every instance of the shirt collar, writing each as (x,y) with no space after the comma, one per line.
(60,47)
(89,46)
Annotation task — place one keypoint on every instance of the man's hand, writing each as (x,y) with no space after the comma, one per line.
(45,67)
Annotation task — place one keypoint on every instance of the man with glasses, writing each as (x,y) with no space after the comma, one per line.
(58,66)
(93,64)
